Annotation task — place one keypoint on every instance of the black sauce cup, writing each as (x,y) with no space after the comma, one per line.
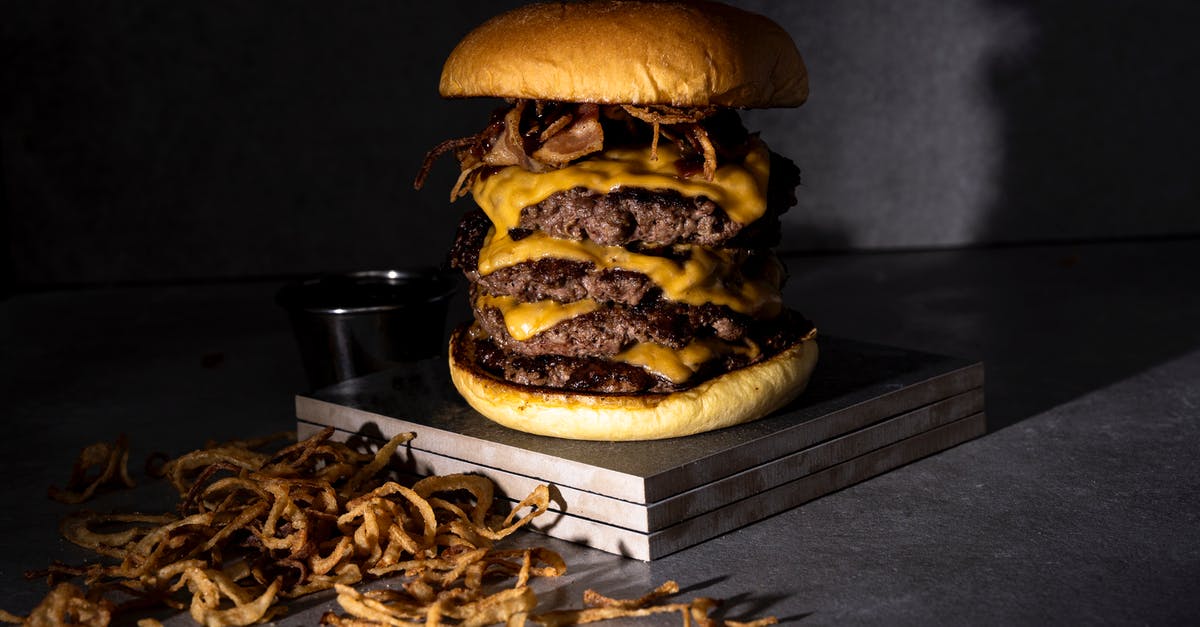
(349,325)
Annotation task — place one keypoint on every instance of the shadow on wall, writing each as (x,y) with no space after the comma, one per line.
(1098,141)
(899,139)
(149,141)
(6,261)
(935,124)
(1098,121)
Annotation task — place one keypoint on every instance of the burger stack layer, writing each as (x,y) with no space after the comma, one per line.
(621,249)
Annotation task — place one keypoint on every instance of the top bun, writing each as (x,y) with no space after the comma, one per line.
(681,54)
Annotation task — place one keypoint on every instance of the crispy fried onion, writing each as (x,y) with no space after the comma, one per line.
(417,603)
(255,528)
(550,135)
(112,459)
(66,604)
(543,139)
(684,125)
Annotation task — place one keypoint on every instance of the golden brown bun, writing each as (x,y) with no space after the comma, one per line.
(629,52)
(736,397)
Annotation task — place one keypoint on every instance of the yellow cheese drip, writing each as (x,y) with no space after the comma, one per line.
(678,366)
(705,276)
(739,189)
(525,320)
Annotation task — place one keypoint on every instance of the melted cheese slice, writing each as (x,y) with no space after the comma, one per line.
(525,320)
(678,366)
(705,276)
(739,189)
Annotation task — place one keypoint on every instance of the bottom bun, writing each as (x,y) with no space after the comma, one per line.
(738,396)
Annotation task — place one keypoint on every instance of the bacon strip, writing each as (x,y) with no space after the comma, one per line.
(582,136)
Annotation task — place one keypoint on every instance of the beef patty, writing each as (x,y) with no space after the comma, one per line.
(612,328)
(575,354)
(602,376)
(566,280)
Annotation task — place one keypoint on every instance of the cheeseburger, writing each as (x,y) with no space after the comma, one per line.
(620,266)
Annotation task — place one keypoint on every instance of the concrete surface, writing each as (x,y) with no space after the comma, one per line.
(1080,506)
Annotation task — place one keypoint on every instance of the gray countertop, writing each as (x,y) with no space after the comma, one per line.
(1080,505)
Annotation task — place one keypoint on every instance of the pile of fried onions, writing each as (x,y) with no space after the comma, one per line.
(253,529)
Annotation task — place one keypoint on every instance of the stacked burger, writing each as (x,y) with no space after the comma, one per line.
(622,279)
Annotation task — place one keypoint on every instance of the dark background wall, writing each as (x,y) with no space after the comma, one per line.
(163,141)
